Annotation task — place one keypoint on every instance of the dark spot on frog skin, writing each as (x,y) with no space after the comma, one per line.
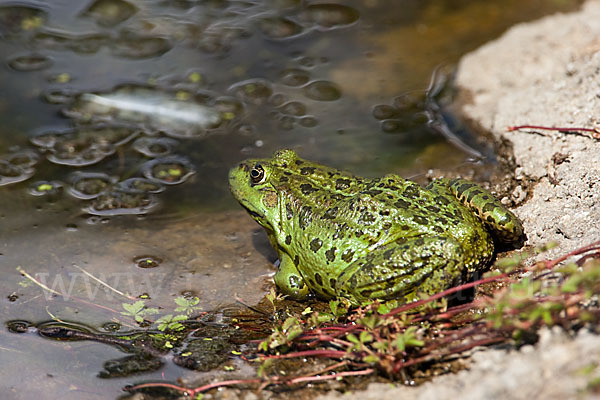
(319,279)
(373,192)
(402,204)
(316,244)
(411,191)
(438,229)
(307,170)
(405,227)
(367,218)
(283,179)
(330,213)
(299,162)
(296,260)
(472,194)
(388,254)
(305,217)
(330,254)
(288,240)
(347,256)
(442,200)
(489,207)
(421,220)
(307,188)
(384,213)
(289,213)
(341,184)
(433,209)
(332,282)
(358,233)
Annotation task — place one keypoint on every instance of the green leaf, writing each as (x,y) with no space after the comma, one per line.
(294,332)
(133,308)
(365,337)
(182,301)
(371,358)
(383,309)
(351,338)
(371,322)
(178,318)
(325,317)
(288,322)
(333,306)
(571,285)
(264,345)
(176,326)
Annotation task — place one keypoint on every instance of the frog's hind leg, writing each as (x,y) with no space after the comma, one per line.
(501,221)
(402,270)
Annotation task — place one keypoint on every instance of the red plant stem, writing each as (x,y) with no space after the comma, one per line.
(308,353)
(584,249)
(192,391)
(367,371)
(550,128)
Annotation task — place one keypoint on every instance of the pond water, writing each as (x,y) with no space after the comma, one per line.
(120,120)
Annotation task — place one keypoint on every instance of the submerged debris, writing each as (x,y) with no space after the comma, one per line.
(180,114)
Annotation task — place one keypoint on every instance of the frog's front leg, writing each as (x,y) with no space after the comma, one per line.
(288,279)
(403,269)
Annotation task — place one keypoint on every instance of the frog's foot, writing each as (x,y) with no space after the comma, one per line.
(402,270)
(503,224)
(288,279)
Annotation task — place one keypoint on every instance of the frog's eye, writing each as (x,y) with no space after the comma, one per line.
(257,174)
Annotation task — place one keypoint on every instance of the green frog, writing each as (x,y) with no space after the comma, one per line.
(342,236)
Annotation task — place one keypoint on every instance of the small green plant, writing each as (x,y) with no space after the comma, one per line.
(170,322)
(282,335)
(273,297)
(138,310)
(186,305)
(408,339)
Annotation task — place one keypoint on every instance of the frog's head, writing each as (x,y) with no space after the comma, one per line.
(253,184)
